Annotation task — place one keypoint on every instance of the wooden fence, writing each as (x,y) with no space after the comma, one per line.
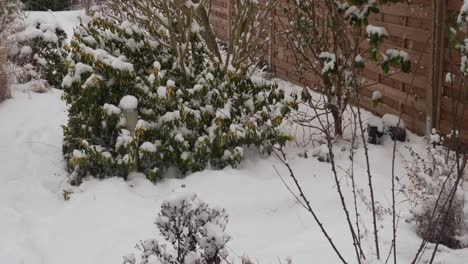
(426,99)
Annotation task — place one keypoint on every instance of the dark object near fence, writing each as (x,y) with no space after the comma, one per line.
(375,130)
(375,137)
(395,126)
(397,133)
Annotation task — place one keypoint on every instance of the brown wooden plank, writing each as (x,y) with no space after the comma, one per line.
(405,32)
(402,9)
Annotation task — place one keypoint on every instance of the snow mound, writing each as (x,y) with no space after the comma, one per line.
(376,122)
(393,121)
(128,102)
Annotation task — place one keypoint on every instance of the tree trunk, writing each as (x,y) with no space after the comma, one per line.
(337,118)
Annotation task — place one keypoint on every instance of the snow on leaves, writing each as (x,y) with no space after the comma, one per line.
(38,51)
(193,233)
(186,123)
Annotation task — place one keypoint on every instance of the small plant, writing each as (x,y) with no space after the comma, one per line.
(431,190)
(193,233)
(38,51)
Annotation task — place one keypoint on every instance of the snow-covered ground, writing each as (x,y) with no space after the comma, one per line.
(104,219)
(66,19)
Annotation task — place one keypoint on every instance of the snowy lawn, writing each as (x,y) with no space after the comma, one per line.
(104,219)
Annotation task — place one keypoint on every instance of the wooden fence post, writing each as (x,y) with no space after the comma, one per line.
(438,52)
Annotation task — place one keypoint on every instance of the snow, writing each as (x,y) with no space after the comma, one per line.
(66,19)
(38,86)
(359,59)
(179,138)
(393,121)
(40,60)
(148,147)
(103,56)
(25,51)
(141,124)
(170,116)
(376,95)
(330,60)
(450,78)
(463,11)
(162,91)
(376,122)
(157,65)
(434,137)
(209,76)
(393,53)
(324,152)
(225,112)
(80,68)
(124,139)
(170,83)
(78,154)
(185,155)
(104,219)
(30,31)
(374,30)
(128,102)
(111,109)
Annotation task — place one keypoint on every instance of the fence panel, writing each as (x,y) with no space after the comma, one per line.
(423,95)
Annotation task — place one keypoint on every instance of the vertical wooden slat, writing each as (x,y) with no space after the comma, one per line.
(230,4)
(438,59)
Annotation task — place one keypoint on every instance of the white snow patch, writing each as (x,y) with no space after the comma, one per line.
(376,95)
(393,121)
(111,109)
(376,122)
(374,30)
(128,102)
(148,147)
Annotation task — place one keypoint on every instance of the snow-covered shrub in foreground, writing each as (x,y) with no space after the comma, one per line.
(432,182)
(38,50)
(193,233)
(184,122)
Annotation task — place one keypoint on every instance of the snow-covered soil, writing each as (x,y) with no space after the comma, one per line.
(104,219)
(66,19)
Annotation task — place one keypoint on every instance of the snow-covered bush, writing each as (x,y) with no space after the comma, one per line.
(438,215)
(247,42)
(189,116)
(38,50)
(9,12)
(193,233)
